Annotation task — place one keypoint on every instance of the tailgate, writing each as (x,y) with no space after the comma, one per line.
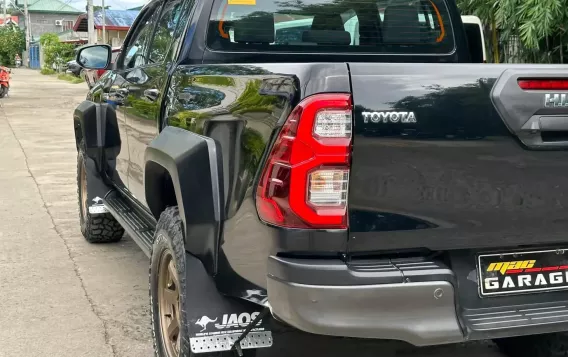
(456,156)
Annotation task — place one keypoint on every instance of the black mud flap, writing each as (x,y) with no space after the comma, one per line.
(97,189)
(217,322)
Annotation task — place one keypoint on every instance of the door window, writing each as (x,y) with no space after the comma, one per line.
(165,30)
(136,51)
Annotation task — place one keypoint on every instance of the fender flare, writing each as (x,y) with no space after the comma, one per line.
(96,125)
(192,161)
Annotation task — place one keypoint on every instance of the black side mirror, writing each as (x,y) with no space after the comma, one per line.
(94,57)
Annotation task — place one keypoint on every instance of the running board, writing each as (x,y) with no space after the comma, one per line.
(139,227)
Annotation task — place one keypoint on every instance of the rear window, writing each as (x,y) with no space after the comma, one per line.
(368,26)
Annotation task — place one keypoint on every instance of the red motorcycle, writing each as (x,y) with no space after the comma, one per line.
(4,81)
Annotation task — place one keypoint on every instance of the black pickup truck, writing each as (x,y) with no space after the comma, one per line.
(339,167)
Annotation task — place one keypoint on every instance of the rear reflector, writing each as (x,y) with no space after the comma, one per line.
(543,84)
(306,176)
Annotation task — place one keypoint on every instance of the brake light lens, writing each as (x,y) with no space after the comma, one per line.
(543,84)
(306,178)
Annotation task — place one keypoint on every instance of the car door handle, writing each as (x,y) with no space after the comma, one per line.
(123,92)
(116,96)
(151,94)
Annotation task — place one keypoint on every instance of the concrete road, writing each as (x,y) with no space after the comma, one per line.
(59,295)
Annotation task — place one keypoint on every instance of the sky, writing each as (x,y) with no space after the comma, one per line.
(114,4)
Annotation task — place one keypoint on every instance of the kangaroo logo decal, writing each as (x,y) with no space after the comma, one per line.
(203,322)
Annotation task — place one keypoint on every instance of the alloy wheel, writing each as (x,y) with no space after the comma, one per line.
(168,304)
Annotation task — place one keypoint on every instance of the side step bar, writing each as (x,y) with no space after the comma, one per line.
(138,225)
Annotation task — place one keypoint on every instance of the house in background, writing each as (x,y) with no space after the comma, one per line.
(74,37)
(48,16)
(117,24)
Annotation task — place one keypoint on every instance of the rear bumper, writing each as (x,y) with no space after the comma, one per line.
(408,312)
(415,302)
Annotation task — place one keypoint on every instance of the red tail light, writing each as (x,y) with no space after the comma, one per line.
(543,84)
(305,180)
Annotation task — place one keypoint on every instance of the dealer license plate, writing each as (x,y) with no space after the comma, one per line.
(523,272)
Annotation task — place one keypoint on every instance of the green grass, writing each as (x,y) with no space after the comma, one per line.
(70,78)
(47,71)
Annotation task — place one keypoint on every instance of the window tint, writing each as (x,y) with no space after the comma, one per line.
(375,26)
(164,35)
(137,48)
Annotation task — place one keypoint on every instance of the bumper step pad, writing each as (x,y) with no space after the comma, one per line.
(515,317)
(226,342)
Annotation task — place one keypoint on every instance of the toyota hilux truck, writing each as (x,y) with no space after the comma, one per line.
(335,167)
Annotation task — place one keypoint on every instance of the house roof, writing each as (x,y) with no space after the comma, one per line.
(50,6)
(120,20)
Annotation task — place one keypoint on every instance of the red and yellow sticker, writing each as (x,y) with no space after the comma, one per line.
(522,266)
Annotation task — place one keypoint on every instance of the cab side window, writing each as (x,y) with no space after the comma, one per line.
(165,30)
(136,51)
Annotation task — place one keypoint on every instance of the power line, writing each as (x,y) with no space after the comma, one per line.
(16,7)
(64,4)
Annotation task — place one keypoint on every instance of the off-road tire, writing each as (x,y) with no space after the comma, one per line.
(98,228)
(169,236)
(546,345)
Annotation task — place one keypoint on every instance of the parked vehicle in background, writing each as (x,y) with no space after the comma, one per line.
(72,67)
(4,81)
(93,75)
(355,172)
(475,37)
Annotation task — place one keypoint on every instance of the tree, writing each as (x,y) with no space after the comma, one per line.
(12,42)
(485,10)
(54,51)
(541,25)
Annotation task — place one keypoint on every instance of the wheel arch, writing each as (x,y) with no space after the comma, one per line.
(183,168)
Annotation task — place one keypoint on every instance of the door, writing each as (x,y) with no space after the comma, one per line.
(106,90)
(147,82)
(123,81)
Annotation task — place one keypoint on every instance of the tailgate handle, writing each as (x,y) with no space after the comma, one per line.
(545,132)
(554,123)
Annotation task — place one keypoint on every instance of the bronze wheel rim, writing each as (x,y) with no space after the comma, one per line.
(168,304)
(83,183)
